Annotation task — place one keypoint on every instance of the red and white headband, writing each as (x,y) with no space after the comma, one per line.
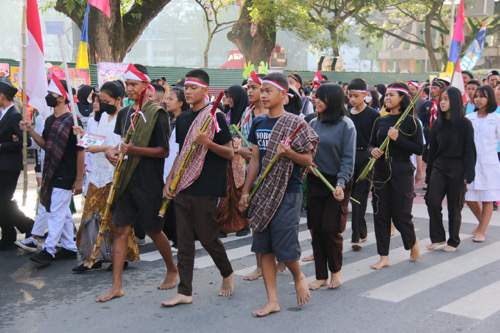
(403,90)
(196,83)
(357,90)
(253,77)
(274,83)
(56,87)
(132,73)
(413,84)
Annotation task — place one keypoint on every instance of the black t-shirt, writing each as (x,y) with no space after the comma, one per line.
(259,135)
(149,172)
(212,180)
(364,124)
(65,175)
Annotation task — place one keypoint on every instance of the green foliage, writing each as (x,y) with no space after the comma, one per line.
(263,68)
(249,67)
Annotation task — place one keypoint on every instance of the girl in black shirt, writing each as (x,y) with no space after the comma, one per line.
(452,158)
(393,191)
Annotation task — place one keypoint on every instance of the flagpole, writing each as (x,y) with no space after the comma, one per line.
(24,106)
(68,84)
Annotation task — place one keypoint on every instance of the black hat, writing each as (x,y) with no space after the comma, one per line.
(179,83)
(7,88)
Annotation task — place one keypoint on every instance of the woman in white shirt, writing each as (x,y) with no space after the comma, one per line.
(486,186)
(101,179)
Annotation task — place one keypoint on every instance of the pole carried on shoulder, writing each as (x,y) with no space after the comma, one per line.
(193,146)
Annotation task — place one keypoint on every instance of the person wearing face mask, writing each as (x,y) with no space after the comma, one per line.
(92,125)
(62,174)
(84,104)
(101,178)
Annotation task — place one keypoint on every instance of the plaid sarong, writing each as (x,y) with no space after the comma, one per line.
(192,169)
(268,197)
(55,147)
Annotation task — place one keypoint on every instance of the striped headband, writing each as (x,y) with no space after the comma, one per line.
(56,87)
(196,83)
(274,83)
(403,90)
(253,77)
(132,73)
(413,84)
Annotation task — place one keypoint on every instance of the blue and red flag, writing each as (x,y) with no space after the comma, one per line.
(458,37)
(475,51)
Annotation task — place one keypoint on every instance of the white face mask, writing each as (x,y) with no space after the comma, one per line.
(368,98)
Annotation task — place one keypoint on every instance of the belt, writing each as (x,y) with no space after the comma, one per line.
(396,159)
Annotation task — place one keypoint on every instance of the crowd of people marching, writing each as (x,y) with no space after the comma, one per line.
(274,147)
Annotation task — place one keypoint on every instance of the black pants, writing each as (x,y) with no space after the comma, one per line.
(447,178)
(197,217)
(169,223)
(393,200)
(360,191)
(10,215)
(327,218)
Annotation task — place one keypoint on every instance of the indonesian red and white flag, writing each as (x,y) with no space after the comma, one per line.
(102,5)
(36,78)
(458,82)
(317,79)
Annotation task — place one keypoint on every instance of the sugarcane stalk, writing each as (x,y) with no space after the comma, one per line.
(384,144)
(269,167)
(330,186)
(237,131)
(184,163)
(107,212)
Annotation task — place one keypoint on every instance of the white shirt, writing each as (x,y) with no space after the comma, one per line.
(102,169)
(4,111)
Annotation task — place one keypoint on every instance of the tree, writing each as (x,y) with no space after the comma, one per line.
(255,31)
(212,10)
(311,19)
(435,17)
(111,38)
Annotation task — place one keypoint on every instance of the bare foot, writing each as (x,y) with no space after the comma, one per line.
(449,249)
(480,237)
(303,295)
(112,293)
(335,281)
(363,239)
(227,286)
(269,308)
(415,251)
(432,246)
(178,299)
(356,246)
(474,231)
(317,284)
(254,275)
(280,267)
(308,258)
(170,281)
(383,262)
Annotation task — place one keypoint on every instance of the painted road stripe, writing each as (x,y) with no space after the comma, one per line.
(478,305)
(401,289)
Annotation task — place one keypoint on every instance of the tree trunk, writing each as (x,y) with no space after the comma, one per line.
(259,47)
(110,39)
(207,48)
(428,34)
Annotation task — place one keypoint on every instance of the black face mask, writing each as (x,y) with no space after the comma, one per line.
(51,100)
(108,108)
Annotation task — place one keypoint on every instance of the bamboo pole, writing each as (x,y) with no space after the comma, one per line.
(384,144)
(193,146)
(330,186)
(107,212)
(24,107)
(237,131)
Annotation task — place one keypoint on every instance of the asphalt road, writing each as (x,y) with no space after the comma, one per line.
(443,292)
